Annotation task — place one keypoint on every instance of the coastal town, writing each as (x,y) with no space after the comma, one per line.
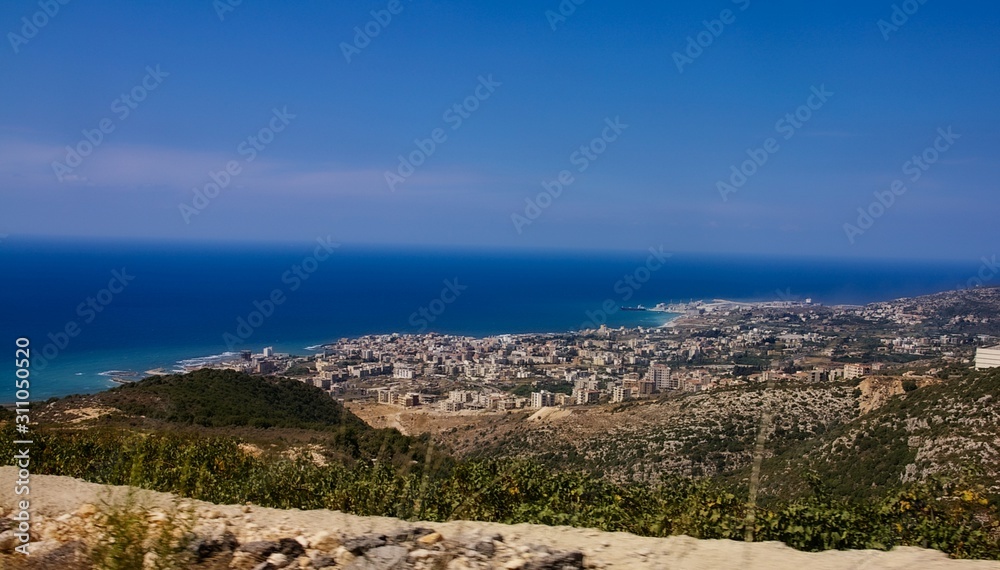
(709,345)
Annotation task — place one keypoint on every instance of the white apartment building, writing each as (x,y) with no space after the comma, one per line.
(543,399)
(620,394)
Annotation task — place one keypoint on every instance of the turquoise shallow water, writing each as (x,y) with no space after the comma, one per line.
(184,301)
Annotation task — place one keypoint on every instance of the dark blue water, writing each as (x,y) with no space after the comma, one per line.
(182,300)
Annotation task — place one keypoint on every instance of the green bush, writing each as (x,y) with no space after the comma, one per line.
(949,516)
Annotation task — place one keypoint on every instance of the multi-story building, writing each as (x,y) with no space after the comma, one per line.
(543,399)
(584,397)
(818,375)
(660,375)
(620,394)
(852,371)
(386,396)
(402,372)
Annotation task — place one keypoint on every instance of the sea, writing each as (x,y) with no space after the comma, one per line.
(95,310)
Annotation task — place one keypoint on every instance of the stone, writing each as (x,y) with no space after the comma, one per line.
(421,553)
(242,561)
(260,549)
(7,542)
(325,541)
(207,547)
(86,510)
(343,556)
(563,561)
(432,538)
(322,561)
(362,544)
(485,547)
(278,560)
(291,548)
(389,557)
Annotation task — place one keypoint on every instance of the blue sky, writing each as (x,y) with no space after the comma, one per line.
(544,93)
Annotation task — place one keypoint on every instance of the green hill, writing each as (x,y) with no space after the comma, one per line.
(216,398)
(276,415)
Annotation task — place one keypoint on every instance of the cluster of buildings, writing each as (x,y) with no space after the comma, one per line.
(713,344)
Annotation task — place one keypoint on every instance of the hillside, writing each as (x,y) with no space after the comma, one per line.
(703,434)
(950,428)
(356,469)
(859,441)
(215,398)
(272,415)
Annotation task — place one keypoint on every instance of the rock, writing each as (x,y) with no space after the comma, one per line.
(7,542)
(260,549)
(564,561)
(291,548)
(403,535)
(322,561)
(207,547)
(325,541)
(343,556)
(460,564)
(86,510)
(485,547)
(278,560)
(421,553)
(242,561)
(388,557)
(432,538)
(362,544)
(514,564)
